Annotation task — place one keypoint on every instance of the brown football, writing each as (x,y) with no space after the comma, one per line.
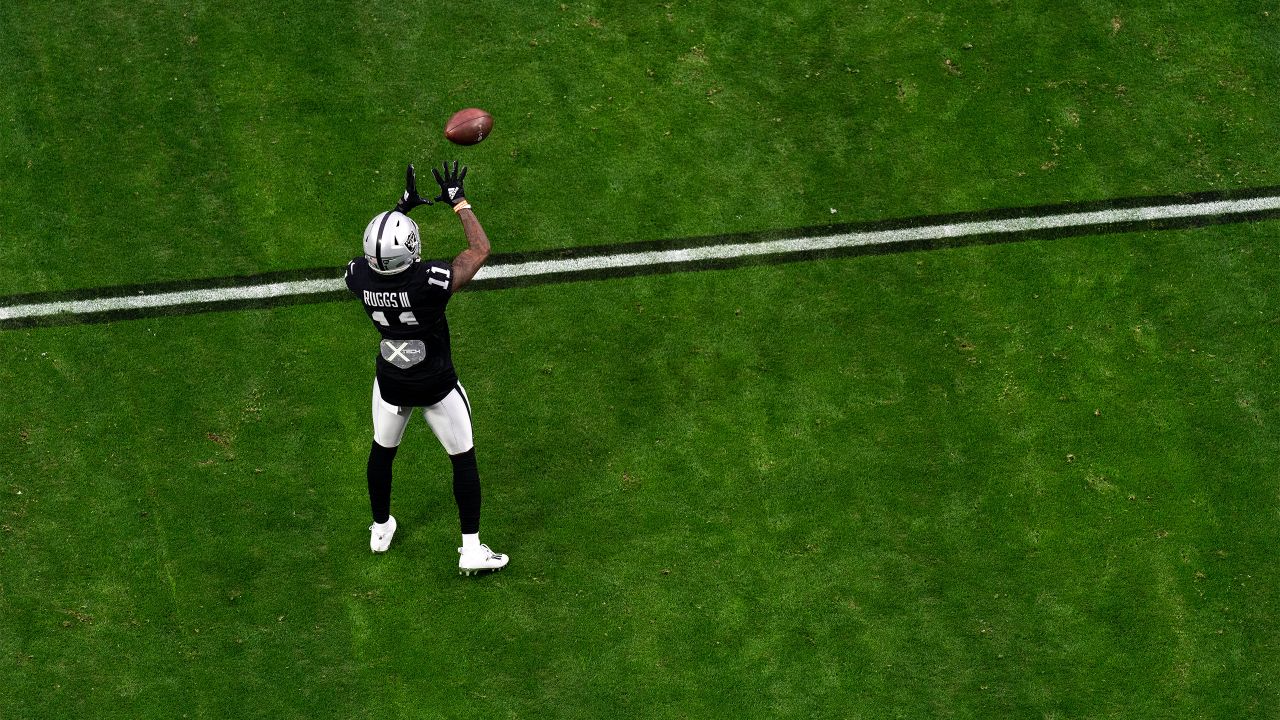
(468,126)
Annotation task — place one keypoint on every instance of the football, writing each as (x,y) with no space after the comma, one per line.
(468,126)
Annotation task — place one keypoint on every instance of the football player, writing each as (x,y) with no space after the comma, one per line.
(405,299)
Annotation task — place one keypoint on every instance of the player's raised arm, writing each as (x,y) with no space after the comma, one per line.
(469,261)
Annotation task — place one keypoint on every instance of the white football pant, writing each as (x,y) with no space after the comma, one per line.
(450,420)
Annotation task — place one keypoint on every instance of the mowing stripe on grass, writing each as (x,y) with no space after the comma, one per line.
(692,254)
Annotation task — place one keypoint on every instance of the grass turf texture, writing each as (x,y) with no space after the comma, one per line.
(1027,480)
(855,472)
(187,142)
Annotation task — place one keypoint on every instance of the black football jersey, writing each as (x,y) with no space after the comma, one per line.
(414,365)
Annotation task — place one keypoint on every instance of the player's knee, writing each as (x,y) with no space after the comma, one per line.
(381,455)
(463,459)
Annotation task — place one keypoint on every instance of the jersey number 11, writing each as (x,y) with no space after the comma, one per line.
(406,318)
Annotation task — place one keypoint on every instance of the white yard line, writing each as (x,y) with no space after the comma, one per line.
(1098,218)
(168,299)
(882,237)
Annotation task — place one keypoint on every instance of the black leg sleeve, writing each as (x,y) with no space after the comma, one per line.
(466,490)
(380,459)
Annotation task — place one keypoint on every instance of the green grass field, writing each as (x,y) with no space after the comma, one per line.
(1027,480)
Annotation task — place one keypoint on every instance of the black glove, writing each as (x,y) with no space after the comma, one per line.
(411,199)
(451,185)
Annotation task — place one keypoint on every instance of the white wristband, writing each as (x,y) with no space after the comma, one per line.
(464,205)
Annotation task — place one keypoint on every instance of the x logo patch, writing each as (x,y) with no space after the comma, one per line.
(397,352)
(403,354)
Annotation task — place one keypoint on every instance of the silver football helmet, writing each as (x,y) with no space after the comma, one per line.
(391,242)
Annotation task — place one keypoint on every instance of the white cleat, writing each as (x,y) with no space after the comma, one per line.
(380,535)
(471,562)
